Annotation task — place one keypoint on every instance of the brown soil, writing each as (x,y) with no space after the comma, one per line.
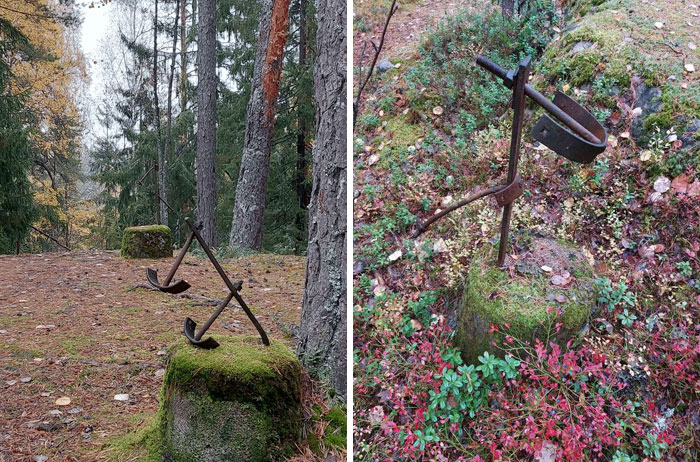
(110,332)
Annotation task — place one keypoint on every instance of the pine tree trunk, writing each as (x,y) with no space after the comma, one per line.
(251,190)
(162,164)
(169,115)
(206,119)
(183,55)
(322,339)
(302,188)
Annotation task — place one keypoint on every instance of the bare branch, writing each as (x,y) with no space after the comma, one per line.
(377,51)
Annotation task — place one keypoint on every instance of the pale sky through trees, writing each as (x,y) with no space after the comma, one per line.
(93,31)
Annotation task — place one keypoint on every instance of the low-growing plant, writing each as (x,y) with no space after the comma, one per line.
(612,295)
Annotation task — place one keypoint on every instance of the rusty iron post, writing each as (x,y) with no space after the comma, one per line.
(520,80)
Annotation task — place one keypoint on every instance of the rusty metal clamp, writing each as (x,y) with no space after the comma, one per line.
(511,192)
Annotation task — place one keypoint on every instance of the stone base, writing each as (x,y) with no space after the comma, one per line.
(238,402)
(529,301)
(154,241)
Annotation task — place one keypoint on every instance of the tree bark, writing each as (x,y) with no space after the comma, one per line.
(169,115)
(206,119)
(183,55)
(302,188)
(251,190)
(162,163)
(322,339)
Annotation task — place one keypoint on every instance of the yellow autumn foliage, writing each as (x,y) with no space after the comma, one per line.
(50,85)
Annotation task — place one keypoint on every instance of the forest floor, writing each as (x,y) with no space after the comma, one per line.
(86,327)
(435,129)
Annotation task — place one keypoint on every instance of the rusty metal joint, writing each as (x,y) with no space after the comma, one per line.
(511,192)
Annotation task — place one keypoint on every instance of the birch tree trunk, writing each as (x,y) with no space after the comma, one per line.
(251,190)
(322,339)
(206,119)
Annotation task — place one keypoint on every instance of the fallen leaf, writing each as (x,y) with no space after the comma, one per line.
(63,401)
(662,184)
(396,255)
(680,184)
(559,280)
(689,67)
(440,246)
(546,269)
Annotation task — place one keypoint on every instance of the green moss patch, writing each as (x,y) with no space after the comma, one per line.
(528,301)
(240,401)
(153,241)
(610,42)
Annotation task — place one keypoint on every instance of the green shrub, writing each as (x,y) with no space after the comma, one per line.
(449,54)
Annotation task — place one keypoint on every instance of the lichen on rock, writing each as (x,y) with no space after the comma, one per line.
(152,241)
(241,401)
(529,301)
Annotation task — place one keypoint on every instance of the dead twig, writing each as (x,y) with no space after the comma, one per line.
(377,50)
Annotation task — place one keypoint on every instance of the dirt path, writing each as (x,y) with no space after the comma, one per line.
(407,26)
(83,326)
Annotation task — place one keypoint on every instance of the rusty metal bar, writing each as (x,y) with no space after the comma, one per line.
(228,282)
(520,81)
(178,260)
(540,99)
(213,317)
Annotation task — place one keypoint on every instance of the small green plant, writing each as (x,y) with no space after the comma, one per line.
(622,456)
(652,447)
(369,121)
(601,167)
(613,295)
(684,269)
(464,390)
(626,318)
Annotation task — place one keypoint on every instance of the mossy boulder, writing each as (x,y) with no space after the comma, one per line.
(526,297)
(240,401)
(153,241)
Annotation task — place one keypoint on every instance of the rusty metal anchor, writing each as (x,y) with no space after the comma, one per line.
(190,326)
(179,286)
(580,139)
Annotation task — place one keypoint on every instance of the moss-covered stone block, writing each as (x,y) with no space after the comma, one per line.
(153,241)
(529,301)
(241,401)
